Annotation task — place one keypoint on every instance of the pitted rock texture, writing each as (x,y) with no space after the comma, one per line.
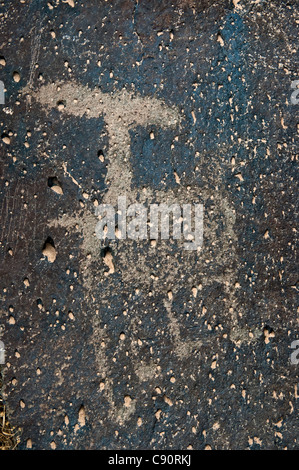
(129,344)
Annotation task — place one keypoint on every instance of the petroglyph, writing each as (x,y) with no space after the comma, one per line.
(122,112)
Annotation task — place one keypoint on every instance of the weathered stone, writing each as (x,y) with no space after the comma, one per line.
(135,344)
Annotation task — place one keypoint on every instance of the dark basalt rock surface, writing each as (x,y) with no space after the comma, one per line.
(153,346)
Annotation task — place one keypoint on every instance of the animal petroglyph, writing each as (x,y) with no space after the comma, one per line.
(123,111)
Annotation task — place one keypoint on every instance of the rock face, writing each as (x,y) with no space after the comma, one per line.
(142,344)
